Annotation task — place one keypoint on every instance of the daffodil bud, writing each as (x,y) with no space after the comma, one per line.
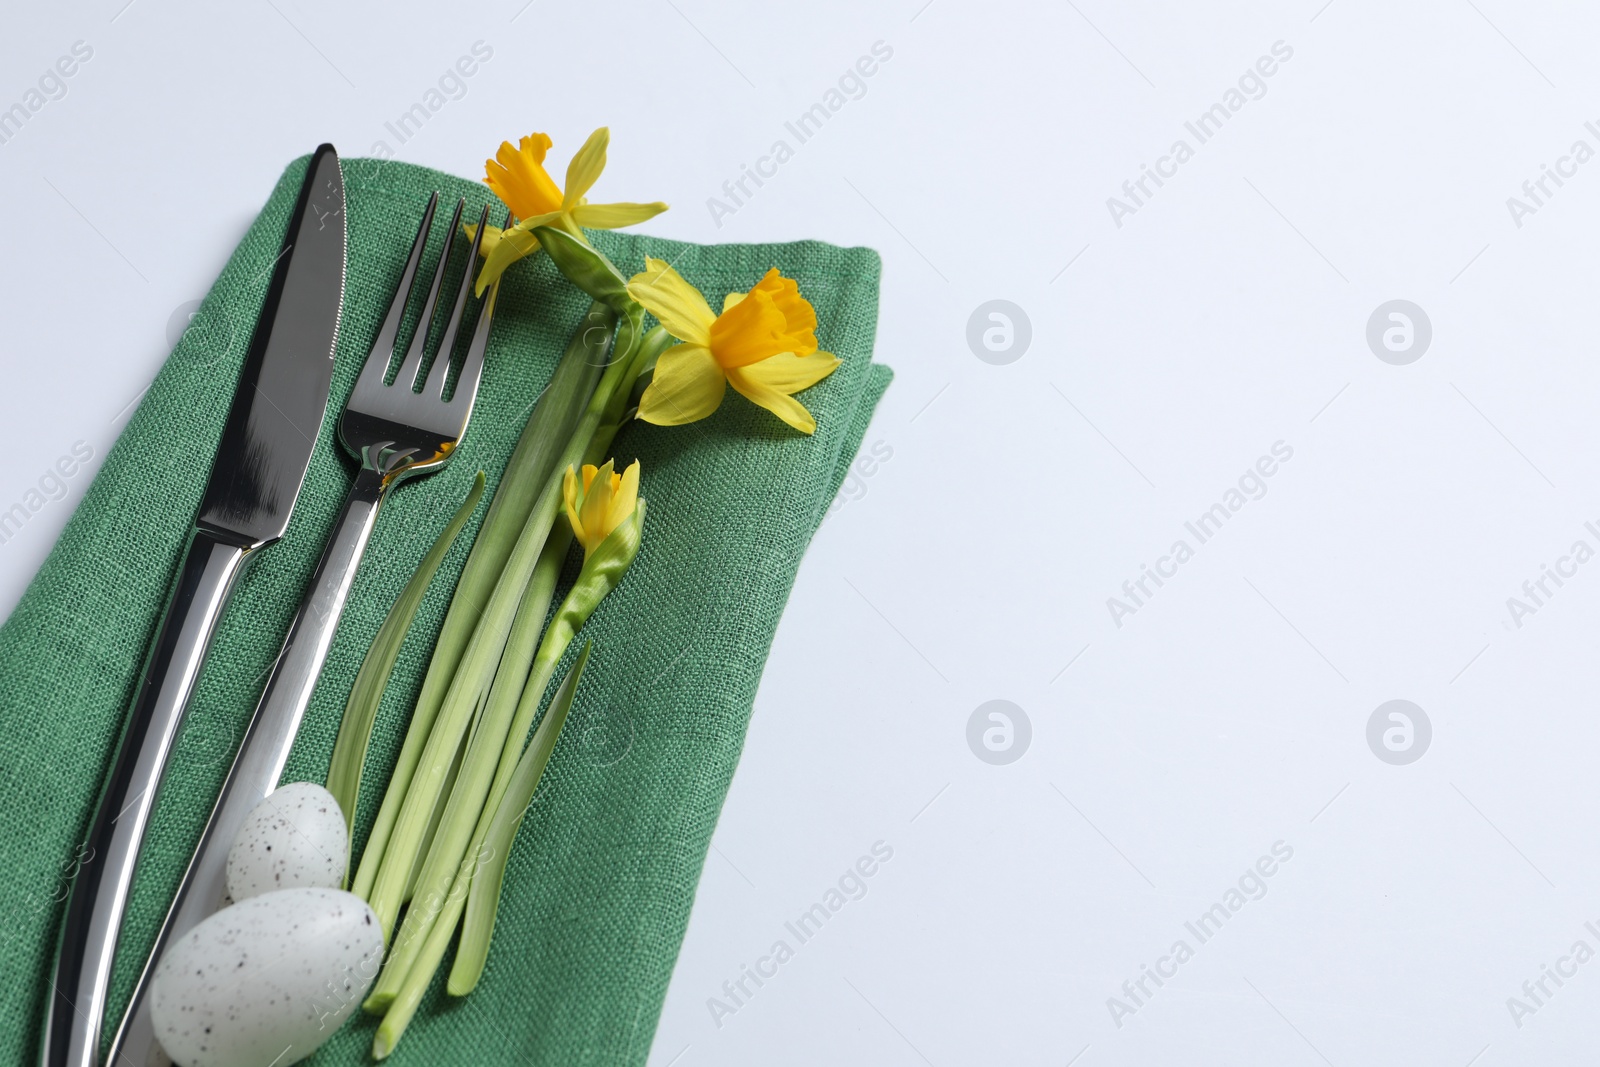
(610,560)
(603,567)
(607,519)
(599,501)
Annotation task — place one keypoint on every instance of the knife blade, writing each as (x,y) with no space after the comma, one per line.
(261,462)
(273,425)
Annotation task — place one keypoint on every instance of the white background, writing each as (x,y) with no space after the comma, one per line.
(1227,313)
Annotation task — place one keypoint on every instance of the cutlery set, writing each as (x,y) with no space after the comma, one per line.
(396,429)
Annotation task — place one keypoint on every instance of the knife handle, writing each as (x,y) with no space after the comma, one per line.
(262,753)
(99,895)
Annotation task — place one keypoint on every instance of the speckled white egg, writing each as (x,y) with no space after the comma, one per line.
(267,980)
(295,837)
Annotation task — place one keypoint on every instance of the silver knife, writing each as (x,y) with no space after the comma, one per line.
(266,447)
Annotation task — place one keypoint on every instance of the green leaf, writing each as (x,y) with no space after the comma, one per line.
(655,342)
(526,478)
(585,267)
(471,684)
(361,710)
(483,899)
(455,817)
(399,1008)
(439,892)
(433,823)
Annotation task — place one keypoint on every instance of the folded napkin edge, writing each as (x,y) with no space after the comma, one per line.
(870,261)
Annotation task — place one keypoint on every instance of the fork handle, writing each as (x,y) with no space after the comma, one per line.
(88,943)
(262,753)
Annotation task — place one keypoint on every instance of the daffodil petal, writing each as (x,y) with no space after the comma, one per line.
(585,169)
(686,387)
(528,225)
(491,237)
(569,502)
(596,505)
(615,216)
(789,373)
(625,498)
(513,244)
(780,404)
(511,247)
(732,300)
(679,305)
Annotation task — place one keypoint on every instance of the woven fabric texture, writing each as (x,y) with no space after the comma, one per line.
(604,871)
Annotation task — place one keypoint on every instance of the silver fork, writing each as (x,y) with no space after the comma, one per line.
(397,432)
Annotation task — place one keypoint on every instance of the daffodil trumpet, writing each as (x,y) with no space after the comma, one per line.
(518,177)
(763,343)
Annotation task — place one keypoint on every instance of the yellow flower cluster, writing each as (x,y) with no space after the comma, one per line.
(764,342)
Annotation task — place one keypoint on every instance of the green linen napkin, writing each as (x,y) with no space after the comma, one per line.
(604,871)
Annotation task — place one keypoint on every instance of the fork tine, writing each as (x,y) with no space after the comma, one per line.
(447,344)
(376,369)
(419,340)
(472,365)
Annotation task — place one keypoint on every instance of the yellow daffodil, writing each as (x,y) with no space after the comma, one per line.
(599,501)
(764,344)
(517,176)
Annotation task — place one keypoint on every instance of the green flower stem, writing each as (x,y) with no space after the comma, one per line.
(404,1005)
(463,704)
(527,473)
(602,570)
(599,575)
(496,748)
(361,710)
(433,822)
(440,891)
(499,832)
(650,348)
(475,675)
(427,930)
(437,865)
